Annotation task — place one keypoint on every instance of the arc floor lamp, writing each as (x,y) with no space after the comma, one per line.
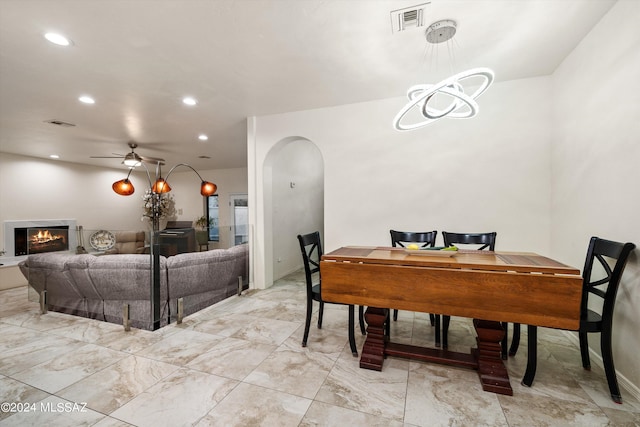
(158,186)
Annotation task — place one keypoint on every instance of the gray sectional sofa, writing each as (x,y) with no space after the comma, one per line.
(99,286)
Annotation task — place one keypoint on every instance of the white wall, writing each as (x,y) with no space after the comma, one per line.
(297,210)
(186,191)
(46,189)
(596,162)
(491,173)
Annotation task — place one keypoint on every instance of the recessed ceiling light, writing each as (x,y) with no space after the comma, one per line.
(54,156)
(189,100)
(58,39)
(203,137)
(87,99)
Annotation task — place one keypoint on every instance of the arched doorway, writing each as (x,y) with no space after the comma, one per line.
(293,188)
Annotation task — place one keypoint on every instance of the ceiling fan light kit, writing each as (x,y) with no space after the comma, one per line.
(461,105)
(132,160)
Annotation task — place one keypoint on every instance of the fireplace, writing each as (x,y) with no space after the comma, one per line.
(22,238)
(41,239)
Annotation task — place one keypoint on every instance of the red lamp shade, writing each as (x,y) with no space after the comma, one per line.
(208,188)
(161,186)
(124,187)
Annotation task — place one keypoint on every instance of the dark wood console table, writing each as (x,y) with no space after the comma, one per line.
(492,286)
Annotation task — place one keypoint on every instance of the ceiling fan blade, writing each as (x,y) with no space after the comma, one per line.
(132,155)
(152,160)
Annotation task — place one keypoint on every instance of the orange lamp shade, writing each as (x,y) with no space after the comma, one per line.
(208,188)
(161,186)
(124,187)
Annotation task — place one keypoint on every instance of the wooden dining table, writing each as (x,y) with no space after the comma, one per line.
(489,287)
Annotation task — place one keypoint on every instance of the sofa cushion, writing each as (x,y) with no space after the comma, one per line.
(203,278)
(49,272)
(125,274)
(128,242)
(194,272)
(126,279)
(78,267)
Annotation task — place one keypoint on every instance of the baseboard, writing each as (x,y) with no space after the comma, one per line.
(286,273)
(623,381)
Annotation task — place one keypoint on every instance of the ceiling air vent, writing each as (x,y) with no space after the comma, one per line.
(60,123)
(407,18)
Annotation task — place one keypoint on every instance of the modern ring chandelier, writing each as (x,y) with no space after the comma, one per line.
(461,105)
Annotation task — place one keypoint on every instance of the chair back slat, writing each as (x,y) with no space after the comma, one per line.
(486,240)
(311,249)
(618,254)
(427,238)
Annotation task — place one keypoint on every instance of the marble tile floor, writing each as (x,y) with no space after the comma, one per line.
(240,363)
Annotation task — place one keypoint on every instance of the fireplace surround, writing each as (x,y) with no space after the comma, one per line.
(38,240)
(11,226)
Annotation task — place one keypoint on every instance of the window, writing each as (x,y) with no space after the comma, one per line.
(212,214)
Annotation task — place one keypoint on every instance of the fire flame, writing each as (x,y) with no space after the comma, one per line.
(44,236)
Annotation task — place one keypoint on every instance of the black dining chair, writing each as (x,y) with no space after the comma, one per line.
(480,241)
(311,248)
(595,276)
(425,239)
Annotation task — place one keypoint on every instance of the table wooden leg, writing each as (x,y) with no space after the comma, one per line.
(487,358)
(373,349)
(493,374)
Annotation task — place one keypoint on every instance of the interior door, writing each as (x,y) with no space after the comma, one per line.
(239,204)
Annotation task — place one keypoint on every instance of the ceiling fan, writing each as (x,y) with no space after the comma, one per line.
(132,159)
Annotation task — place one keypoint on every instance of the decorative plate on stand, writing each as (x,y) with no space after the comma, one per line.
(102,240)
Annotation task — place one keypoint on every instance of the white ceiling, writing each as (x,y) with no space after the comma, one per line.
(240,58)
